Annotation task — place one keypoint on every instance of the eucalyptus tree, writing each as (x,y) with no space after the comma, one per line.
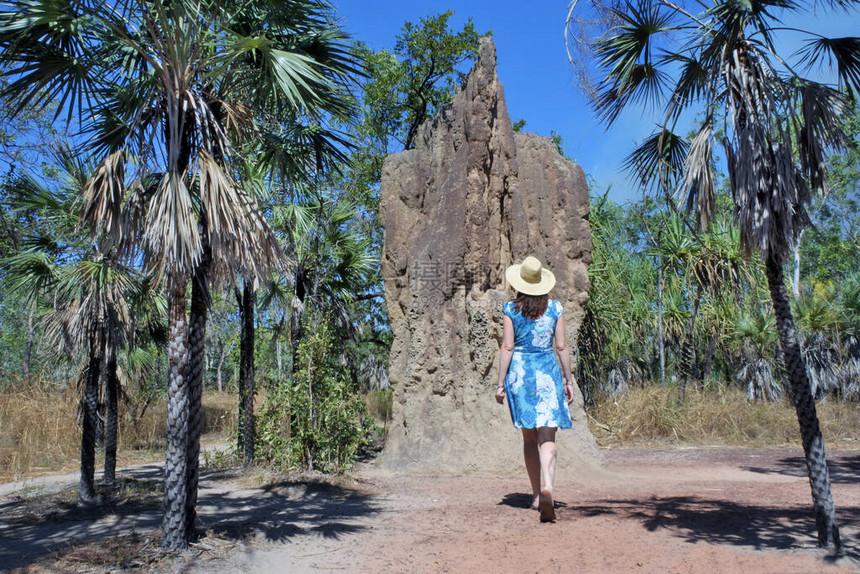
(776,126)
(166,93)
(410,84)
(404,87)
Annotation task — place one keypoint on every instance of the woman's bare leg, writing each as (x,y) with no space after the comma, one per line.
(531,455)
(547,450)
(546,445)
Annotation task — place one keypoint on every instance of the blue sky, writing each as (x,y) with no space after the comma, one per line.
(540,86)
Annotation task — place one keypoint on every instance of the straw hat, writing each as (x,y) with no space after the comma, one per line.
(530,277)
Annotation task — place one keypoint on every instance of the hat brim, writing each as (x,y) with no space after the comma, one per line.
(542,287)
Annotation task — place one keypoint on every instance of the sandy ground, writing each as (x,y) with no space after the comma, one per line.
(654,510)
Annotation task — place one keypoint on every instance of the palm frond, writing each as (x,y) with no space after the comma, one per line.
(731,20)
(239,235)
(301,151)
(26,194)
(295,218)
(45,45)
(837,4)
(625,54)
(31,273)
(844,52)
(171,226)
(103,198)
(658,161)
(126,119)
(290,78)
(646,83)
(820,109)
(697,191)
(692,85)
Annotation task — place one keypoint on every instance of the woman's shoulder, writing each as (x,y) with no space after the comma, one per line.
(509,307)
(556,306)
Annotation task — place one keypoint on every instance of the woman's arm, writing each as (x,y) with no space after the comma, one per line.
(505,355)
(564,357)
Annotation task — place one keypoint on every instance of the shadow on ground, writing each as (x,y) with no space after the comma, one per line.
(34,527)
(696,519)
(523,500)
(842,467)
(285,509)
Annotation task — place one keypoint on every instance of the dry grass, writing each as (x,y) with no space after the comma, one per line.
(651,416)
(379,405)
(40,431)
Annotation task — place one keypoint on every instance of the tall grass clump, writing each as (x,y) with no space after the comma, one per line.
(40,430)
(711,417)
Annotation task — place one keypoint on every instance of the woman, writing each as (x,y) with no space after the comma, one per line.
(530,376)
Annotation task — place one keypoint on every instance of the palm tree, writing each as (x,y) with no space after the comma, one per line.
(95,315)
(754,332)
(777,127)
(849,306)
(89,292)
(171,90)
(299,154)
(329,263)
(329,267)
(246,300)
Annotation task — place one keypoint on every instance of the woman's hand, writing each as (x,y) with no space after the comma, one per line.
(568,392)
(500,394)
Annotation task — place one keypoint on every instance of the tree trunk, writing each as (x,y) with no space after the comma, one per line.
(796,283)
(810,431)
(276,341)
(89,410)
(100,408)
(174,534)
(28,351)
(687,349)
(112,419)
(708,361)
(296,321)
(221,356)
(196,352)
(660,340)
(246,373)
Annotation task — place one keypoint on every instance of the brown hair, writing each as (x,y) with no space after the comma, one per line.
(532,306)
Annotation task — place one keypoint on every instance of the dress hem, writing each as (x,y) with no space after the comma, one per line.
(559,427)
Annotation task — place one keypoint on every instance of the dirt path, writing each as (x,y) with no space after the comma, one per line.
(665,510)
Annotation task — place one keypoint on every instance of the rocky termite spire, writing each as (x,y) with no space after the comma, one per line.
(469,200)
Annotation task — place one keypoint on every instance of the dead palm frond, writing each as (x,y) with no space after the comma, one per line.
(239,234)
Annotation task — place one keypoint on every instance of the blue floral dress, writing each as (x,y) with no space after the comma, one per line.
(534,383)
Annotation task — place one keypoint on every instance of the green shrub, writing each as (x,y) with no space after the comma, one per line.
(315,420)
